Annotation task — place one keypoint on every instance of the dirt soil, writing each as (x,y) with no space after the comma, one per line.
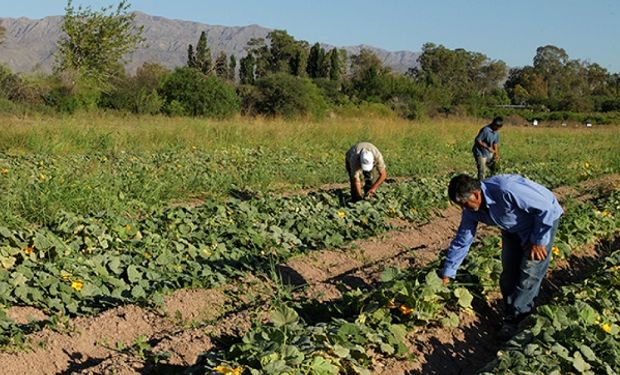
(90,345)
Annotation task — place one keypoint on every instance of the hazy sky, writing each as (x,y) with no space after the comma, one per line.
(509,30)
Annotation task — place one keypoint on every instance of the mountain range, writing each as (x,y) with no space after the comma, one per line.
(29,45)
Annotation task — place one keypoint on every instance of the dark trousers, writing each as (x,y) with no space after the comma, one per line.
(521,277)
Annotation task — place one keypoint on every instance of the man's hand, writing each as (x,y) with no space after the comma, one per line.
(370,193)
(445,280)
(538,252)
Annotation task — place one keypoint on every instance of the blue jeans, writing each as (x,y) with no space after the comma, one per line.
(521,277)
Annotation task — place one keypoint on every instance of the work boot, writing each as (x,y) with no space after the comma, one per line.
(508,330)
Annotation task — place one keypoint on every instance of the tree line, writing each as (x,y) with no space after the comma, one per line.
(282,76)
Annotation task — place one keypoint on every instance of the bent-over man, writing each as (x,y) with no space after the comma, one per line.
(527,214)
(363,160)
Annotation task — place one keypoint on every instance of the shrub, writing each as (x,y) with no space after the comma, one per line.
(282,94)
(197,94)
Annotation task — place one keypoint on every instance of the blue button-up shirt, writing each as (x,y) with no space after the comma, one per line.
(488,136)
(514,204)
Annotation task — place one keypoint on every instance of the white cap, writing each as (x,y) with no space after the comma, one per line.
(367,160)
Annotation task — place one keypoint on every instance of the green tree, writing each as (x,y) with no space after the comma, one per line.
(368,76)
(463,76)
(191,57)
(95,42)
(315,59)
(221,65)
(281,94)
(335,65)
(232,67)
(203,54)
(246,69)
(283,54)
(187,91)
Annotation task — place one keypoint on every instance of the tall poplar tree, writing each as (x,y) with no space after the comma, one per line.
(203,54)
(221,65)
(191,57)
(232,67)
(246,69)
(335,66)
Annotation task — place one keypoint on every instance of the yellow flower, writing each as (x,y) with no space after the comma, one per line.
(555,250)
(606,327)
(65,275)
(128,227)
(391,304)
(606,213)
(28,250)
(405,310)
(614,268)
(342,214)
(42,177)
(77,285)
(586,165)
(228,371)
(4,171)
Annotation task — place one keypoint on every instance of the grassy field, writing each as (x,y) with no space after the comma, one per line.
(119,164)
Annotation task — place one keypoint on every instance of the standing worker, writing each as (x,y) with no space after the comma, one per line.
(486,147)
(364,160)
(528,215)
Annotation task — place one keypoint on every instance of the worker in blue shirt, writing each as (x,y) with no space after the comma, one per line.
(486,148)
(527,214)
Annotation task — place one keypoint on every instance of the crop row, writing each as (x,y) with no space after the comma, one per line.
(365,326)
(37,187)
(82,264)
(579,332)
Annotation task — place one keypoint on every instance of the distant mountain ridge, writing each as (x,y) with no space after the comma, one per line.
(30,45)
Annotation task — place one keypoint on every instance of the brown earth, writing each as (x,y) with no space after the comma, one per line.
(90,345)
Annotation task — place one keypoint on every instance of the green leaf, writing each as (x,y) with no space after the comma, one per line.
(41,242)
(115,265)
(389,274)
(138,292)
(464,297)
(321,367)
(579,364)
(341,351)
(387,348)
(133,274)
(7,262)
(284,316)
(588,353)
(452,320)
(277,367)
(5,232)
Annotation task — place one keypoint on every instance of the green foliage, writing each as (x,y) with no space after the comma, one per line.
(461,77)
(368,77)
(137,94)
(73,92)
(197,94)
(285,95)
(201,59)
(221,66)
(559,83)
(95,42)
